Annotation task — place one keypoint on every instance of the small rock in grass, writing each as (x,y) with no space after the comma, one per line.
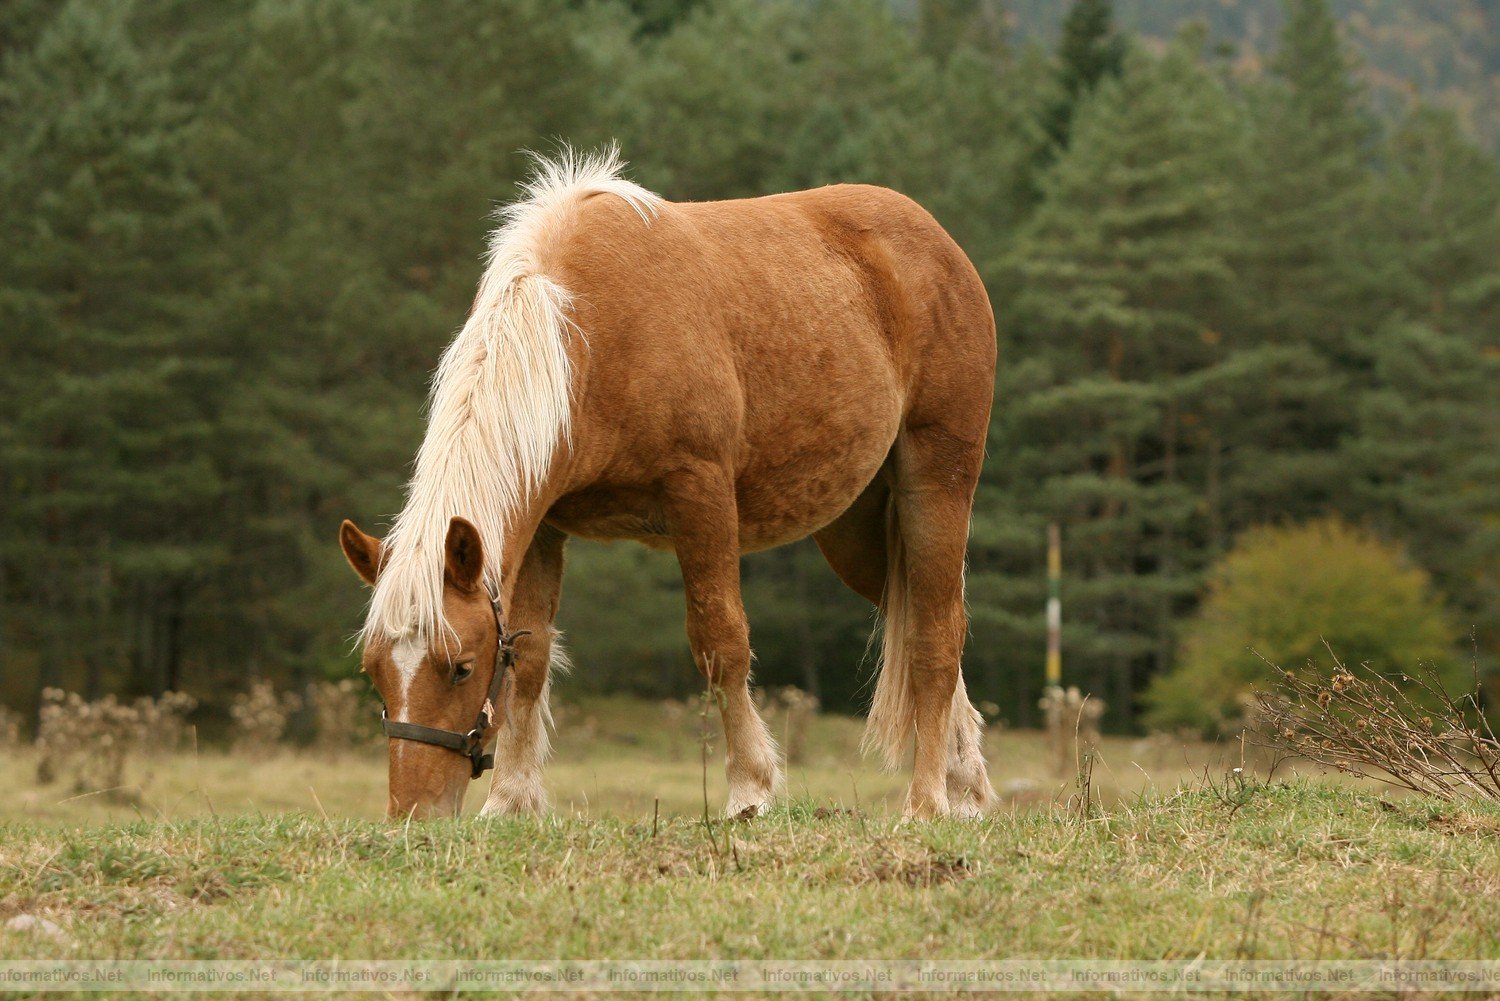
(32,923)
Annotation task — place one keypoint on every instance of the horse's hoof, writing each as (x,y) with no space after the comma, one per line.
(967,810)
(525,803)
(925,809)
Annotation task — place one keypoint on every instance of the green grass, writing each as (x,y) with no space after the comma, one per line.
(614,757)
(1296,870)
(286,855)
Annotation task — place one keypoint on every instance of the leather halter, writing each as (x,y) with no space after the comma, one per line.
(471,744)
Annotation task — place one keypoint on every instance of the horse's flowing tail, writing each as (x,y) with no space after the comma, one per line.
(893,710)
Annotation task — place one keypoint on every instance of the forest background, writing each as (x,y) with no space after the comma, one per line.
(1244,257)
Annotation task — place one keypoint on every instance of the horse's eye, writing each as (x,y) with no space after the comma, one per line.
(461,672)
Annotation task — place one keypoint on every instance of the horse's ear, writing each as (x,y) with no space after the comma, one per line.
(464,563)
(361,550)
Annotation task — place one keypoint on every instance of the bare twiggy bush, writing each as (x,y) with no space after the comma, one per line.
(10,728)
(163,720)
(1405,731)
(338,714)
(92,741)
(261,716)
(1072,726)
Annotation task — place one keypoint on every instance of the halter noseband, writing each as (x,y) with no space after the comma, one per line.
(471,744)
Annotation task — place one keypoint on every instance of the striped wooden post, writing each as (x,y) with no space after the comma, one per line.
(1054,702)
(1054,605)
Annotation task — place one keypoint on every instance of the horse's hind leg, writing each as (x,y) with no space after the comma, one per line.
(522,745)
(700,506)
(854,544)
(857,546)
(935,476)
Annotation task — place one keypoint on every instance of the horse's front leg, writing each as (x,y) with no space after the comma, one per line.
(522,745)
(700,507)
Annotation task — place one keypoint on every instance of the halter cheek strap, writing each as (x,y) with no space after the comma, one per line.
(471,744)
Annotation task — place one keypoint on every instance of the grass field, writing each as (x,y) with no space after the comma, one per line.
(613,757)
(227,857)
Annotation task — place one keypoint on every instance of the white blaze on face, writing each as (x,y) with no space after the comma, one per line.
(407,653)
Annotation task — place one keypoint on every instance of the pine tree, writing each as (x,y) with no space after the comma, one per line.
(113,375)
(1090,50)
(1422,458)
(657,17)
(1311,59)
(947,26)
(22,22)
(1307,188)
(1303,298)
(1120,282)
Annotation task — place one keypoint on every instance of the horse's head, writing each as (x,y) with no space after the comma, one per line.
(439,681)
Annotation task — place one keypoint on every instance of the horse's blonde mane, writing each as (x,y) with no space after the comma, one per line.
(501,397)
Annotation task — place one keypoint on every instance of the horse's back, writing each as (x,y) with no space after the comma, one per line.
(786,272)
(789,336)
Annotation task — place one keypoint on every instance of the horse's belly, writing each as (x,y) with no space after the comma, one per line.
(798,482)
(606,513)
(771,517)
(787,489)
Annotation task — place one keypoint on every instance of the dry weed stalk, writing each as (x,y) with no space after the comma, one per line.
(1072,726)
(1405,731)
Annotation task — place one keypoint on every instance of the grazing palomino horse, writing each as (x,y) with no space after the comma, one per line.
(711,378)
